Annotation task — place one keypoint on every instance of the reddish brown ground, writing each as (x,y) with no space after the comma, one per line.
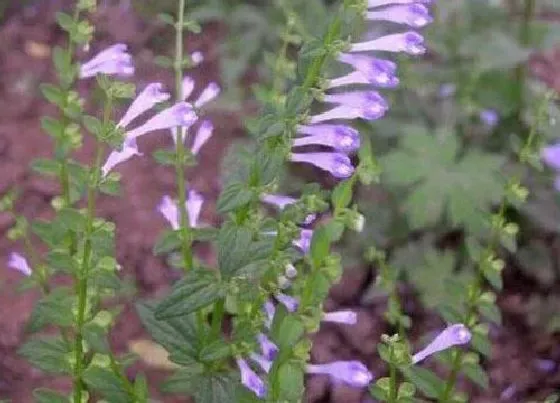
(26,38)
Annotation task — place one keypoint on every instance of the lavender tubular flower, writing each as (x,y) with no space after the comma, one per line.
(453,335)
(489,117)
(414,15)
(282,201)
(180,114)
(337,164)
(378,3)
(202,136)
(410,42)
(263,362)
(288,301)
(207,95)
(269,310)
(342,138)
(129,150)
(169,210)
(146,100)
(250,379)
(19,263)
(115,60)
(368,70)
(344,317)
(194,206)
(551,156)
(268,348)
(304,240)
(365,105)
(352,373)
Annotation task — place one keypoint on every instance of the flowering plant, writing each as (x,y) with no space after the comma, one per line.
(240,329)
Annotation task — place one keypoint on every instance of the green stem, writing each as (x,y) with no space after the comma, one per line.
(393,391)
(82,281)
(217,317)
(180,151)
(525,40)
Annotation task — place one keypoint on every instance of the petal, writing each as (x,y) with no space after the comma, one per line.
(378,72)
(150,96)
(262,361)
(453,335)
(551,156)
(207,95)
(187,87)
(202,136)
(168,208)
(250,379)
(129,150)
(279,201)
(345,317)
(19,263)
(410,42)
(194,206)
(337,164)
(414,15)
(112,61)
(377,3)
(304,240)
(180,114)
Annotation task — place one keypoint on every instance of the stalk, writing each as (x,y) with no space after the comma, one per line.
(525,40)
(82,283)
(180,151)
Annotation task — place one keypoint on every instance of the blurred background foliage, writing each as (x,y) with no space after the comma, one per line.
(443,167)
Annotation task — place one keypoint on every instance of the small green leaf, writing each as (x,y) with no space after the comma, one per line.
(199,288)
(168,242)
(320,245)
(165,157)
(425,380)
(107,384)
(215,351)
(48,353)
(290,382)
(141,392)
(234,248)
(43,395)
(476,373)
(46,167)
(342,194)
(72,219)
(53,94)
(288,332)
(234,196)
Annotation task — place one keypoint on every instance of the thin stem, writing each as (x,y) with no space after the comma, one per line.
(393,391)
(82,281)
(180,152)
(217,317)
(525,40)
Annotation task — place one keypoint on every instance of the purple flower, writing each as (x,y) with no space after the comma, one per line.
(414,15)
(545,365)
(351,105)
(180,114)
(263,362)
(129,149)
(352,373)
(282,201)
(115,60)
(194,206)
(337,164)
(211,91)
(269,310)
(342,138)
(304,240)
(410,42)
(19,263)
(344,317)
(150,96)
(268,348)
(250,379)
(197,58)
(551,156)
(168,208)
(377,3)
(290,271)
(446,90)
(187,87)
(202,136)
(288,301)
(369,70)
(453,335)
(489,117)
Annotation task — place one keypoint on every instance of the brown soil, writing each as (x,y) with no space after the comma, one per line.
(26,39)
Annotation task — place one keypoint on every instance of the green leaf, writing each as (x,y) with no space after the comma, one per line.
(288,333)
(342,194)
(168,242)
(43,395)
(476,373)
(53,127)
(217,350)
(216,387)
(49,232)
(290,382)
(176,335)
(55,308)
(93,125)
(107,384)
(53,94)
(45,166)
(234,248)
(165,157)
(48,353)
(141,392)
(199,288)
(96,338)
(72,219)
(234,196)
(490,311)
(425,380)
(320,245)
(184,381)
(441,184)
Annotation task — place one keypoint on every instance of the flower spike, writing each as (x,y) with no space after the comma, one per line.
(453,335)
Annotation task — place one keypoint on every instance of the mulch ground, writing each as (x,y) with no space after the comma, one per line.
(26,39)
